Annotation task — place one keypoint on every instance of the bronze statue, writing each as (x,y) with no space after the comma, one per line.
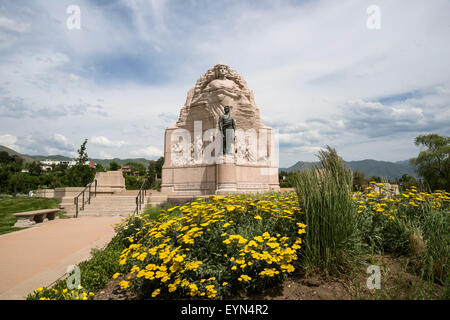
(227,124)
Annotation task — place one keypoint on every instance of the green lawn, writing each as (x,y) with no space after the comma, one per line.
(8,206)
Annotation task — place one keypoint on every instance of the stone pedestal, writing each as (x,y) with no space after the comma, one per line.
(109,182)
(226,182)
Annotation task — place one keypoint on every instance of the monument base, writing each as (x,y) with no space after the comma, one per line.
(219,179)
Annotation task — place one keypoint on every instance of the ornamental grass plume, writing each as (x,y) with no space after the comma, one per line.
(331,242)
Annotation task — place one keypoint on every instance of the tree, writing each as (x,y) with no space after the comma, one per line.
(5,158)
(99,168)
(80,174)
(82,155)
(376,179)
(158,167)
(407,181)
(114,166)
(433,164)
(35,168)
(151,172)
(136,167)
(358,180)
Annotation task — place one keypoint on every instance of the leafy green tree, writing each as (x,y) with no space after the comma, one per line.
(433,164)
(407,181)
(114,166)
(80,174)
(82,155)
(151,173)
(376,179)
(286,179)
(35,168)
(60,168)
(5,158)
(136,167)
(99,168)
(158,167)
(358,180)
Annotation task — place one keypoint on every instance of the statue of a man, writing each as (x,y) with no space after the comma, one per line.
(227,124)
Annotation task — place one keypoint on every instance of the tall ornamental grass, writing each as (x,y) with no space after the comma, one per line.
(331,243)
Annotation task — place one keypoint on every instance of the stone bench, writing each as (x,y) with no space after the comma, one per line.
(28,218)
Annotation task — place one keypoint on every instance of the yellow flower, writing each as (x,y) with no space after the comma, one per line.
(257,217)
(124,284)
(156,292)
(115,275)
(244,278)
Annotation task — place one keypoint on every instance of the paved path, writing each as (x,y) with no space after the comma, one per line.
(37,256)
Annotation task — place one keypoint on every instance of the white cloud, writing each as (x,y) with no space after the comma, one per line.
(105,155)
(105,142)
(149,151)
(9,141)
(12,25)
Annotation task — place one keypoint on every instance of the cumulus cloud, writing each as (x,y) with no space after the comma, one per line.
(105,142)
(9,141)
(149,151)
(12,25)
(426,112)
(39,143)
(18,107)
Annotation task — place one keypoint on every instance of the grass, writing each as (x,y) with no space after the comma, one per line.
(11,205)
(399,281)
(331,242)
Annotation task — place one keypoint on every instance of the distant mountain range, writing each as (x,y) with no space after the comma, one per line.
(103,162)
(384,169)
(11,152)
(370,168)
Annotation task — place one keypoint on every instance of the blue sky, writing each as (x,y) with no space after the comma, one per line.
(318,74)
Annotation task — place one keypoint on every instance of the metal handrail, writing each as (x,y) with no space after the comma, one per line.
(76,199)
(140,198)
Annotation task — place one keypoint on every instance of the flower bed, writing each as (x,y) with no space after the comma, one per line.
(216,247)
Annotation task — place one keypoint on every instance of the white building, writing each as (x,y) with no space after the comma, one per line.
(47,164)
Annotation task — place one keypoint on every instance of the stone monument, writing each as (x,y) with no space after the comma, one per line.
(110,182)
(219,144)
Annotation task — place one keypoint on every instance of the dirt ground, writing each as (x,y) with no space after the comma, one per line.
(397,282)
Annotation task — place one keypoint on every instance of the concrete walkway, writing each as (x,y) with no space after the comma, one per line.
(37,256)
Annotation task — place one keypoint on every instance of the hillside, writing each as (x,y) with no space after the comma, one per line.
(103,162)
(385,169)
(11,152)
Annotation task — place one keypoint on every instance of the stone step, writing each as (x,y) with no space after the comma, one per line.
(121,204)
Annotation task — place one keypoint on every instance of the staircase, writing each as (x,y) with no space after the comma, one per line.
(118,204)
